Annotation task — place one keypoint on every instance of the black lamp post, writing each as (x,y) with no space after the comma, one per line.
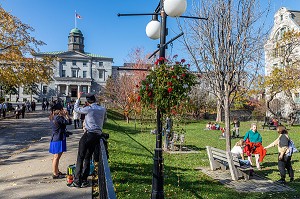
(173,8)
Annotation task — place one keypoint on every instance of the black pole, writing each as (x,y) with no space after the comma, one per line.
(158,178)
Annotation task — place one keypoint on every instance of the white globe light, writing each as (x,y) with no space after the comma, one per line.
(175,8)
(153,29)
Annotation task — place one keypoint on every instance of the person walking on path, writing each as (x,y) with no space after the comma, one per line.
(254,145)
(76,117)
(95,116)
(284,160)
(59,118)
(4,109)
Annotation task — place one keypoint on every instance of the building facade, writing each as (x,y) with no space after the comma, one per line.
(75,70)
(284,20)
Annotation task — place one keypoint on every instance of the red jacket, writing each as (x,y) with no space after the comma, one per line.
(255,148)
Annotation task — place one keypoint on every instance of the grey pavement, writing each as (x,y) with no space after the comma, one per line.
(255,184)
(25,163)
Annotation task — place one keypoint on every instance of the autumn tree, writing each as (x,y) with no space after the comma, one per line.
(227,47)
(122,90)
(16,44)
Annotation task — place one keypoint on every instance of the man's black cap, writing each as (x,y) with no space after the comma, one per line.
(90,98)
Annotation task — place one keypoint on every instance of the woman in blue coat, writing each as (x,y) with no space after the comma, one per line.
(59,118)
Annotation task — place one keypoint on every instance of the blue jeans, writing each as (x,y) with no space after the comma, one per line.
(245,163)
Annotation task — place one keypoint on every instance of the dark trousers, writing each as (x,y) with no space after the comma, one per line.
(285,164)
(76,123)
(87,144)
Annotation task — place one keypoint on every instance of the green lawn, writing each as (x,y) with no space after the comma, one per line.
(131,161)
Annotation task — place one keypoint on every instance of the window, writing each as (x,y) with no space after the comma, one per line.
(63,73)
(84,89)
(84,74)
(281,17)
(74,73)
(101,74)
(84,64)
(45,89)
(100,63)
(63,62)
(74,63)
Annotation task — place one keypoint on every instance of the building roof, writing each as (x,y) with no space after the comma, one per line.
(295,16)
(76,31)
(57,53)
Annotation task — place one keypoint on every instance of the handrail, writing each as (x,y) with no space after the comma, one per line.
(106,186)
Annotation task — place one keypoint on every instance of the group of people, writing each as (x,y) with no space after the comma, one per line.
(20,110)
(95,116)
(252,144)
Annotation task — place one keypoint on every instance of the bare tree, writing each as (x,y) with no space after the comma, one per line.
(228,47)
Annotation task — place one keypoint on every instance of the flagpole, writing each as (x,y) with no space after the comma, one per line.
(75,20)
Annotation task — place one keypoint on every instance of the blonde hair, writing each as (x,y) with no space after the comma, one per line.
(240,143)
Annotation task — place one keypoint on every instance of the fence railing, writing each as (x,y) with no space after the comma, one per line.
(106,186)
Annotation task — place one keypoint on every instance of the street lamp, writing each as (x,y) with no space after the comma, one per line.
(158,30)
(173,8)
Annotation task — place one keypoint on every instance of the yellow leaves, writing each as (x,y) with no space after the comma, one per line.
(15,68)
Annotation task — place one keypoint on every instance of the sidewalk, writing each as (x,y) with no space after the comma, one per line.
(28,174)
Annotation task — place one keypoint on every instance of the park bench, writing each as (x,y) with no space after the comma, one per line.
(224,159)
(177,140)
(270,126)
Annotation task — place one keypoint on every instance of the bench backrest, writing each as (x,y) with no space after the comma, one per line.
(216,155)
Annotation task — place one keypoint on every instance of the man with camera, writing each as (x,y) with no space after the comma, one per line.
(95,116)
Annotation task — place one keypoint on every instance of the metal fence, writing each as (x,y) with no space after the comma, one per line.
(106,186)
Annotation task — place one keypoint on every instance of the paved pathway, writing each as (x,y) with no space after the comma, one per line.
(255,184)
(25,164)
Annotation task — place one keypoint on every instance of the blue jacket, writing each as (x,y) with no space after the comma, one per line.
(58,126)
(95,116)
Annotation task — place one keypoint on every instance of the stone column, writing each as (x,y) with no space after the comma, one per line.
(89,89)
(78,88)
(67,90)
(58,89)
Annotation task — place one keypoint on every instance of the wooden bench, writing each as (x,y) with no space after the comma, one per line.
(224,159)
(271,127)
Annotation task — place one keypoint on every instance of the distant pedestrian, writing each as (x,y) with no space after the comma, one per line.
(236,128)
(17,111)
(76,117)
(95,116)
(47,105)
(59,118)
(4,109)
(23,110)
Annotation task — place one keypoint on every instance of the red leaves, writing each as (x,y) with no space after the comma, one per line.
(170,89)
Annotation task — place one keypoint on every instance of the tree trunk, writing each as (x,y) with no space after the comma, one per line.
(227,123)
(219,111)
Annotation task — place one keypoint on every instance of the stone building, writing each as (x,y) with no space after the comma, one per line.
(75,70)
(284,20)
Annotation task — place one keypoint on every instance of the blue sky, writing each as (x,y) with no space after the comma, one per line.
(105,33)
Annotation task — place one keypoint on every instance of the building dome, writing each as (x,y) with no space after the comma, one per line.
(76,40)
(76,31)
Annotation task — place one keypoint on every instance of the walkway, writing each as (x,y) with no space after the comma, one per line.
(27,173)
(255,184)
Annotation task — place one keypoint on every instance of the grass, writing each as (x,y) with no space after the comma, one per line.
(131,148)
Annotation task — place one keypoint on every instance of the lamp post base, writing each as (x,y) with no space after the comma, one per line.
(158,179)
